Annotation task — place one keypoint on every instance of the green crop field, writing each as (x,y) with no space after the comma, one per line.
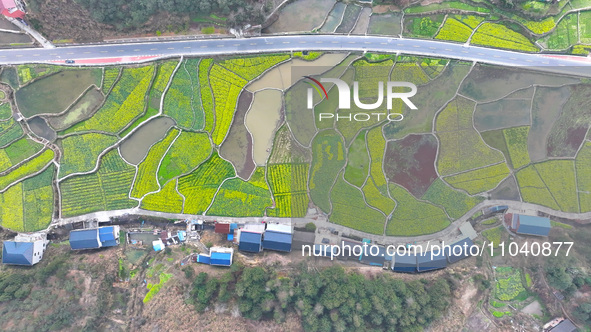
(146,180)
(461,146)
(28,205)
(5,111)
(375,198)
(125,102)
(559,178)
(516,140)
(454,30)
(200,186)
(182,101)
(27,168)
(250,68)
(349,209)
(80,152)
(413,217)
(107,189)
(226,87)
(110,76)
(187,152)
(533,189)
(509,285)
(358,161)
(565,34)
(166,200)
(328,159)
(583,168)
(289,185)
(455,203)
(206,93)
(479,180)
(18,152)
(499,36)
(239,198)
(399,178)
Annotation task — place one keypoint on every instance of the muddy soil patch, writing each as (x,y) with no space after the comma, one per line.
(410,162)
(237,147)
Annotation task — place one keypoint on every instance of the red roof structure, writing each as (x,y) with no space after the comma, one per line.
(12,8)
(223,228)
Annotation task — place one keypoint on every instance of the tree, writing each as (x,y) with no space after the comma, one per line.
(310,227)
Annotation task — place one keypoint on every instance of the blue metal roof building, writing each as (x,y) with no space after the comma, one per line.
(205,259)
(277,241)
(108,237)
(375,260)
(221,258)
(429,261)
(532,225)
(406,263)
(94,238)
(85,239)
(17,253)
(251,242)
(459,250)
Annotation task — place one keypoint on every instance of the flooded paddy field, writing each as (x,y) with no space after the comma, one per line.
(262,120)
(82,109)
(302,15)
(237,147)
(54,93)
(135,147)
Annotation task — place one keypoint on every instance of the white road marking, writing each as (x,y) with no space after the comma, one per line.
(87,52)
(137,50)
(203,46)
(187,47)
(153,49)
(448,49)
(416,46)
(285,42)
(433,48)
(235,44)
(253,44)
(170,48)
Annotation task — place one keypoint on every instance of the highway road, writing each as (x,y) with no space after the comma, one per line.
(131,51)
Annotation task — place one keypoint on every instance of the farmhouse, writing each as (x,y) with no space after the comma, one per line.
(12,8)
(459,250)
(564,326)
(277,237)
(94,238)
(406,262)
(376,260)
(26,249)
(218,256)
(530,225)
(429,261)
(250,241)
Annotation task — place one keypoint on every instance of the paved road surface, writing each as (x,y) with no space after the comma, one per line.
(288,43)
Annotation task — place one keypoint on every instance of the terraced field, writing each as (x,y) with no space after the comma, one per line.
(398,178)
